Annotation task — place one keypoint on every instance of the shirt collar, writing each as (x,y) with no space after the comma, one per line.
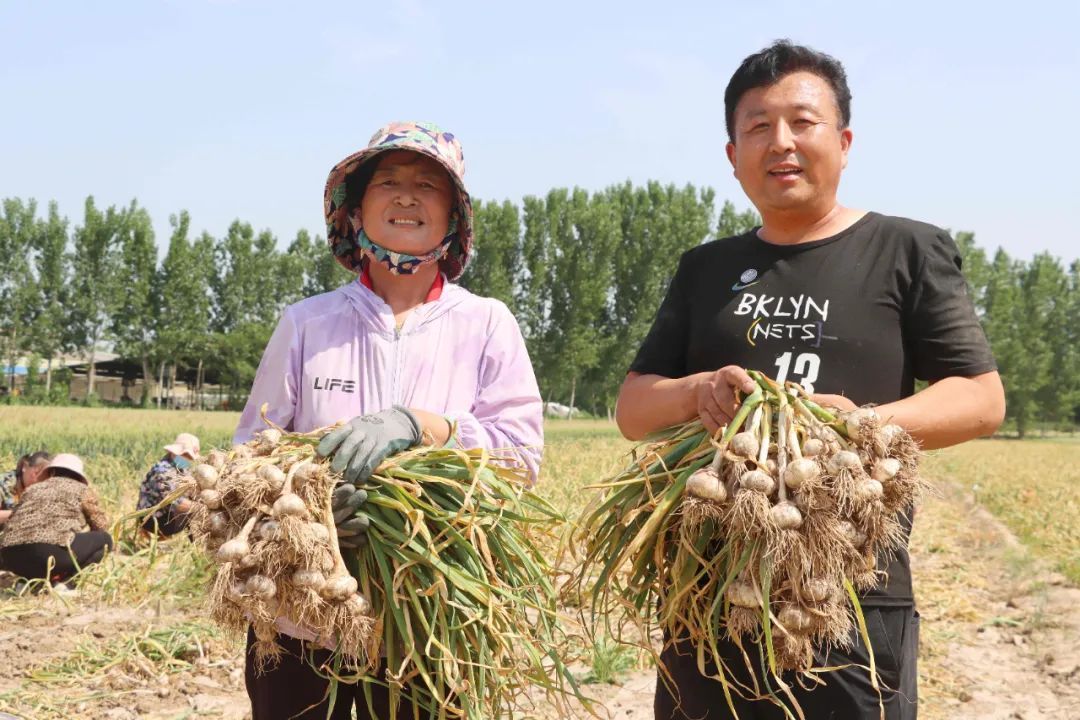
(434,292)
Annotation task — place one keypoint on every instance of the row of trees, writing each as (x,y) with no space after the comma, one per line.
(583,273)
(1031,313)
(209,305)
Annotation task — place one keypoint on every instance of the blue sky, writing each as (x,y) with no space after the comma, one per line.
(964,115)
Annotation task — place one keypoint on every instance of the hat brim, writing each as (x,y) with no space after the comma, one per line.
(71,470)
(179,450)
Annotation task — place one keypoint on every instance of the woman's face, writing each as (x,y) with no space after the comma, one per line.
(406,207)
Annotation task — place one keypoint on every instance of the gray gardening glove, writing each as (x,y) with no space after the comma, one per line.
(359,446)
(351,521)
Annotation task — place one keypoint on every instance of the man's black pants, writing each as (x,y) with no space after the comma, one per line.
(846,695)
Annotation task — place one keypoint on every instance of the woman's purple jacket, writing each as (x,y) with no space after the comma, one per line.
(338,355)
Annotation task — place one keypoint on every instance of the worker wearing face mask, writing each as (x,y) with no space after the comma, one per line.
(161,481)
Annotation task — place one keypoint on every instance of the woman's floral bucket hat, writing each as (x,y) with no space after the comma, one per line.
(347,180)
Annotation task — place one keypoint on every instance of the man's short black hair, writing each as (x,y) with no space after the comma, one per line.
(782,58)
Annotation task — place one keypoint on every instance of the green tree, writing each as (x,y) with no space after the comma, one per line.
(657,224)
(1070,344)
(238,353)
(202,343)
(245,304)
(312,262)
(234,286)
(295,267)
(18,229)
(94,286)
(1020,350)
(976,269)
(495,269)
(733,222)
(268,290)
(1046,313)
(133,320)
(533,296)
(323,272)
(583,234)
(184,302)
(48,330)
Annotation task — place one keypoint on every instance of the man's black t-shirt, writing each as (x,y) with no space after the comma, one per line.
(862,314)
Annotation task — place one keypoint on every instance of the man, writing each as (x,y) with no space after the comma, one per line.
(12,484)
(853,305)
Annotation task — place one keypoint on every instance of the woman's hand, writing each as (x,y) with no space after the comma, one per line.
(350,521)
(360,446)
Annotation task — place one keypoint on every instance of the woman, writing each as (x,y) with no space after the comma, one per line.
(46,530)
(24,475)
(410,357)
(160,481)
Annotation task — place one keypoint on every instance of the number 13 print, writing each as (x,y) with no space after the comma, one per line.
(806,365)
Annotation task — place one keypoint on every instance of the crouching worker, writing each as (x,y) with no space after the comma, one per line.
(48,528)
(161,481)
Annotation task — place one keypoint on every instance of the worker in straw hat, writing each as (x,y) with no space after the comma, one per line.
(58,526)
(160,482)
(402,354)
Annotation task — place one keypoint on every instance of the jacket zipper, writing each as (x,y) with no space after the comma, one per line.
(395,374)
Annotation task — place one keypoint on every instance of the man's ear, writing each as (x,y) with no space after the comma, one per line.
(846,138)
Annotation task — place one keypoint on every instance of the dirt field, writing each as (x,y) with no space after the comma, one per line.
(1000,623)
(1001,639)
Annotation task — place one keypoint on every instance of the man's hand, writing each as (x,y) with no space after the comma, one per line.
(837,402)
(364,442)
(716,396)
(351,522)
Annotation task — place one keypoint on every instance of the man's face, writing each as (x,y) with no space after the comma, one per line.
(789,147)
(406,207)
